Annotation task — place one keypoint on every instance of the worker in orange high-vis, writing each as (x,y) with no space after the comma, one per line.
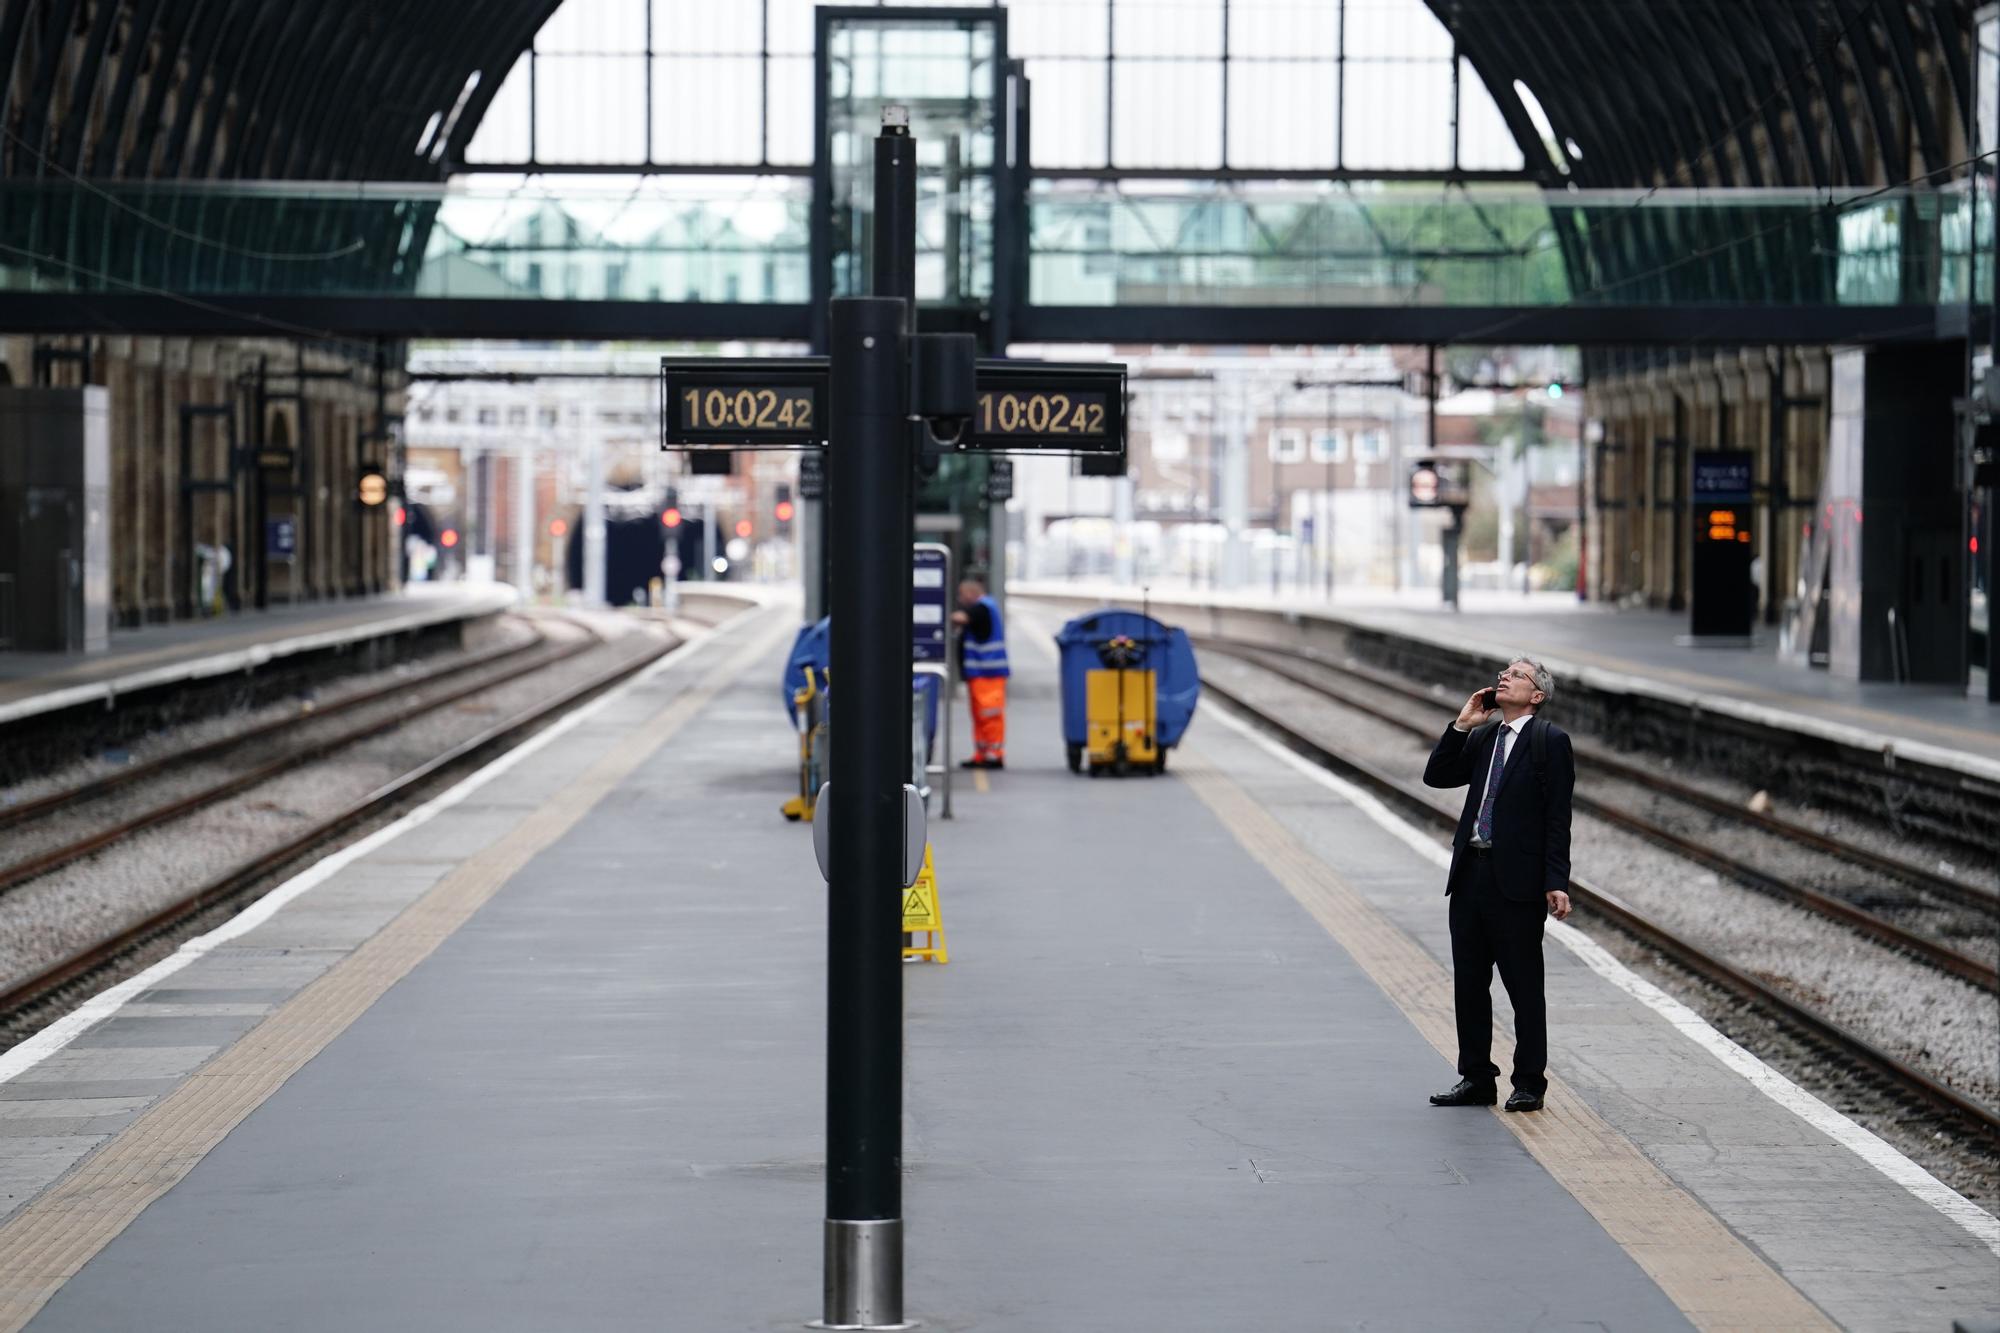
(982,661)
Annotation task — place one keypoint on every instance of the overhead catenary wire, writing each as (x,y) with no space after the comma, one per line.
(1486,332)
(354,246)
(270,322)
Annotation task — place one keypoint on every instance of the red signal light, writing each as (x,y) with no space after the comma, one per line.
(784,511)
(558,528)
(671,519)
(398,520)
(448,538)
(744,527)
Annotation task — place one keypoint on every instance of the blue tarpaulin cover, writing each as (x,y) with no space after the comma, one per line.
(1162,649)
(813,648)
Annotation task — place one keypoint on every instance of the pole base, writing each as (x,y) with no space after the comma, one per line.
(863,1276)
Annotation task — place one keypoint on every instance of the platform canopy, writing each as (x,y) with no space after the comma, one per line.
(147,148)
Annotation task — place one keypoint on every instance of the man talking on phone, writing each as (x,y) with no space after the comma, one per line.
(1509,872)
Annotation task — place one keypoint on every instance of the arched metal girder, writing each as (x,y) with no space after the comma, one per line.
(89,67)
(247,88)
(1903,53)
(1859,45)
(1761,68)
(134,54)
(489,86)
(31,137)
(257,112)
(1812,51)
(280,88)
(441,85)
(188,108)
(179,34)
(1951,24)
(1713,69)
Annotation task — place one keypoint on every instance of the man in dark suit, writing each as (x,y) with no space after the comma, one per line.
(1509,871)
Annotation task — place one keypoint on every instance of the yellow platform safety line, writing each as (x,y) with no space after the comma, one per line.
(45,1244)
(921,916)
(1720,1282)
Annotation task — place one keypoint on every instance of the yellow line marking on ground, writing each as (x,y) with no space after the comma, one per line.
(45,1244)
(1702,1266)
(979,782)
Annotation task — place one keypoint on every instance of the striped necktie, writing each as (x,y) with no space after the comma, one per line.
(1493,773)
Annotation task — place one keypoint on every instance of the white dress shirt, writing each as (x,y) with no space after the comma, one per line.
(1503,745)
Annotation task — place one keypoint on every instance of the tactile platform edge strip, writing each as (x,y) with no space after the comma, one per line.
(50,1240)
(1715,1278)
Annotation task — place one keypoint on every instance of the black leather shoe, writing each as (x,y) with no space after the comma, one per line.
(1524,1101)
(1467,1093)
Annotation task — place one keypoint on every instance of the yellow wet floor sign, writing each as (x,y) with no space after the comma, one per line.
(920,915)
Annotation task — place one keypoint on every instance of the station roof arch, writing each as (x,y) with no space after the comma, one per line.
(1598,93)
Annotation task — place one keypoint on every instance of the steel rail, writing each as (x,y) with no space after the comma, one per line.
(1964,1109)
(1952,961)
(109,782)
(14,876)
(1969,895)
(32,991)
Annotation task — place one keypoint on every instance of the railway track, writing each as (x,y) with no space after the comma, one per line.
(1910,1082)
(50,983)
(1974,913)
(132,774)
(14,875)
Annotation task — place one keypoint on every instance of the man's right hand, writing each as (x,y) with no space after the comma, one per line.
(1475,711)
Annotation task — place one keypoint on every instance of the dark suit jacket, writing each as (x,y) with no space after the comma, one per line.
(1530,825)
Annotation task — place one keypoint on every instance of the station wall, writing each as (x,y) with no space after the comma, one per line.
(1861,534)
(186,531)
(1771,402)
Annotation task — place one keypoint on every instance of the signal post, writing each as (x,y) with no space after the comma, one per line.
(881,394)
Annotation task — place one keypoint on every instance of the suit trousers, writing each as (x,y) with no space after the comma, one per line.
(1488,930)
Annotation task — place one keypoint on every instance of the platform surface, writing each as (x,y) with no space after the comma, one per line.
(554,1059)
(190,649)
(1631,648)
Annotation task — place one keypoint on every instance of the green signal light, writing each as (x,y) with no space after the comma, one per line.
(1555,391)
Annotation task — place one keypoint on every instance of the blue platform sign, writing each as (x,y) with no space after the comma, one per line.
(930,603)
(281,538)
(1723,476)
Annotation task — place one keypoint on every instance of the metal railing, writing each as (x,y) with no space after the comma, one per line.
(1094,243)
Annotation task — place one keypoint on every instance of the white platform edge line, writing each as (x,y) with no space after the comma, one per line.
(31,1052)
(1864,1144)
(242,659)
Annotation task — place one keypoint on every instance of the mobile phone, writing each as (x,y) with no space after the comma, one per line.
(1490,697)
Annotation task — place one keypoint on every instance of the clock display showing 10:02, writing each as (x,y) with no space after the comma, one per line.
(787,408)
(1036,412)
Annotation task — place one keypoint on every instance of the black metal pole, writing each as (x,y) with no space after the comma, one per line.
(868,488)
(893,261)
(893,273)
(1682,513)
(1452,532)
(1989,550)
(895,255)
(259,500)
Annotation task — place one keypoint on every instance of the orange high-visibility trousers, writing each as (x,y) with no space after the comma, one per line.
(989,716)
